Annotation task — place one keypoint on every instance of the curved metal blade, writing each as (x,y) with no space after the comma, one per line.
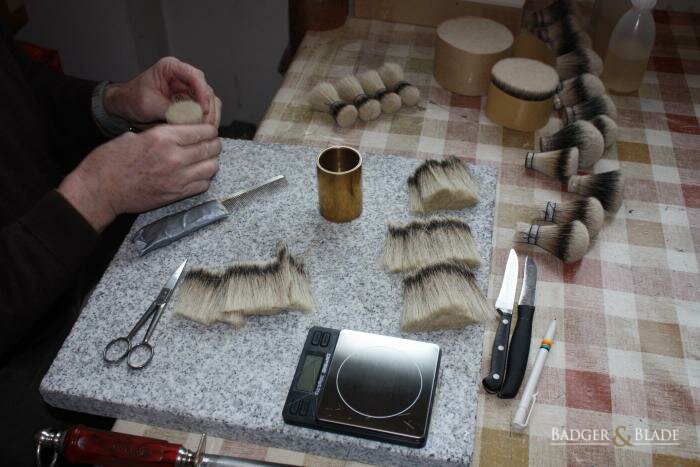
(506,297)
(527,293)
(169,286)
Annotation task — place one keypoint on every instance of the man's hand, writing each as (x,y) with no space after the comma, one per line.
(145,98)
(138,172)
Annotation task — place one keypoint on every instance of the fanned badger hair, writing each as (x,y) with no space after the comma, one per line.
(423,243)
(242,289)
(441,184)
(442,296)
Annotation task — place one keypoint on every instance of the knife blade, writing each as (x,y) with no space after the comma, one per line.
(504,306)
(520,343)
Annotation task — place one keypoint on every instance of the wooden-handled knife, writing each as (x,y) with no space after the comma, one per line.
(504,306)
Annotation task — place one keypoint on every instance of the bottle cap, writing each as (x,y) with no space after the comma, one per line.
(644,4)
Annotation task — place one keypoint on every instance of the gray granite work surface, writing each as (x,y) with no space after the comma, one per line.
(233,383)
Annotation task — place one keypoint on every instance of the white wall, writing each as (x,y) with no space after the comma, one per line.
(237,43)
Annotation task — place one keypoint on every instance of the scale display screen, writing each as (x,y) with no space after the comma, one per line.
(309,373)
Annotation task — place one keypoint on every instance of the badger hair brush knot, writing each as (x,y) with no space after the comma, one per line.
(426,242)
(373,86)
(570,41)
(581,134)
(568,242)
(552,13)
(578,89)
(441,184)
(184,112)
(554,31)
(607,127)
(587,210)
(586,110)
(324,98)
(442,296)
(201,296)
(607,187)
(393,78)
(578,62)
(560,164)
(350,90)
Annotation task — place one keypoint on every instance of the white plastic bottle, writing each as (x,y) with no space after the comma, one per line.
(604,18)
(629,49)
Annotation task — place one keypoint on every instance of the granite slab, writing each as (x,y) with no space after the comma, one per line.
(233,383)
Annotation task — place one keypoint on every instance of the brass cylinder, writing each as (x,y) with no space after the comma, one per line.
(339,172)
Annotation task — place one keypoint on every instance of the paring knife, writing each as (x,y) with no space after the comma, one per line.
(504,306)
(520,343)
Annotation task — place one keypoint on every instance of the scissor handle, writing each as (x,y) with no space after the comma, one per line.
(144,348)
(114,344)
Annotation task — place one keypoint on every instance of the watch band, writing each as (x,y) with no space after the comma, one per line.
(109,125)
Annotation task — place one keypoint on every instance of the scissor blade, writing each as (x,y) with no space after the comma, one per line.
(504,302)
(174,278)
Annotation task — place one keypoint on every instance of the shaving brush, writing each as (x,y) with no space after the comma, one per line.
(578,62)
(350,90)
(578,89)
(607,127)
(393,78)
(607,187)
(552,13)
(568,242)
(184,112)
(560,164)
(600,105)
(588,210)
(570,41)
(556,30)
(325,98)
(580,134)
(374,87)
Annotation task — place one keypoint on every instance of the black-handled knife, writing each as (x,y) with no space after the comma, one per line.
(504,306)
(520,343)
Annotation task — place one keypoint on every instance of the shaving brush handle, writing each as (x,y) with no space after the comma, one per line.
(492,383)
(518,352)
(84,445)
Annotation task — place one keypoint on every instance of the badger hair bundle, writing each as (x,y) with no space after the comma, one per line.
(441,184)
(184,112)
(581,134)
(578,89)
(607,187)
(560,164)
(242,289)
(202,296)
(324,98)
(350,90)
(426,242)
(578,62)
(607,127)
(587,210)
(551,13)
(374,86)
(586,110)
(442,296)
(393,78)
(568,242)
(570,41)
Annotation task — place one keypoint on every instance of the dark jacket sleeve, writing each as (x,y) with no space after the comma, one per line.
(41,253)
(66,104)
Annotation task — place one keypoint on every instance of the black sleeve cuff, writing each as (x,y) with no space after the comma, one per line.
(61,229)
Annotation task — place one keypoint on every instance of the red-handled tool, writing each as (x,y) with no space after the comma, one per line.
(83,445)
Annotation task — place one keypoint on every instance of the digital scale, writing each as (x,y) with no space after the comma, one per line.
(366,385)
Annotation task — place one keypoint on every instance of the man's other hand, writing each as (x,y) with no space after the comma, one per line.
(145,98)
(138,172)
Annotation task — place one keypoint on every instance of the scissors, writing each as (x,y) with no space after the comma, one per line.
(138,356)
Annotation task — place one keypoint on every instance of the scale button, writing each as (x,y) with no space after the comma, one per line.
(316,337)
(326,339)
(304,409)
(294,408)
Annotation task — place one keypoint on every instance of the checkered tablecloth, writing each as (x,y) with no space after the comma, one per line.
(627,351)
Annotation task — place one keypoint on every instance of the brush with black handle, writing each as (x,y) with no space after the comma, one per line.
(520,342)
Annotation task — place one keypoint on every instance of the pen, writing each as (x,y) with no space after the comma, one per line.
(522,414)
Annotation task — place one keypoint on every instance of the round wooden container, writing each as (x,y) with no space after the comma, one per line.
(520,93)
(467,47)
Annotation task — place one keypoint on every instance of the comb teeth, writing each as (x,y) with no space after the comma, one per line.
(269,186)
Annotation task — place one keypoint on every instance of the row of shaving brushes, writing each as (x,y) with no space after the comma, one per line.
(366,95)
